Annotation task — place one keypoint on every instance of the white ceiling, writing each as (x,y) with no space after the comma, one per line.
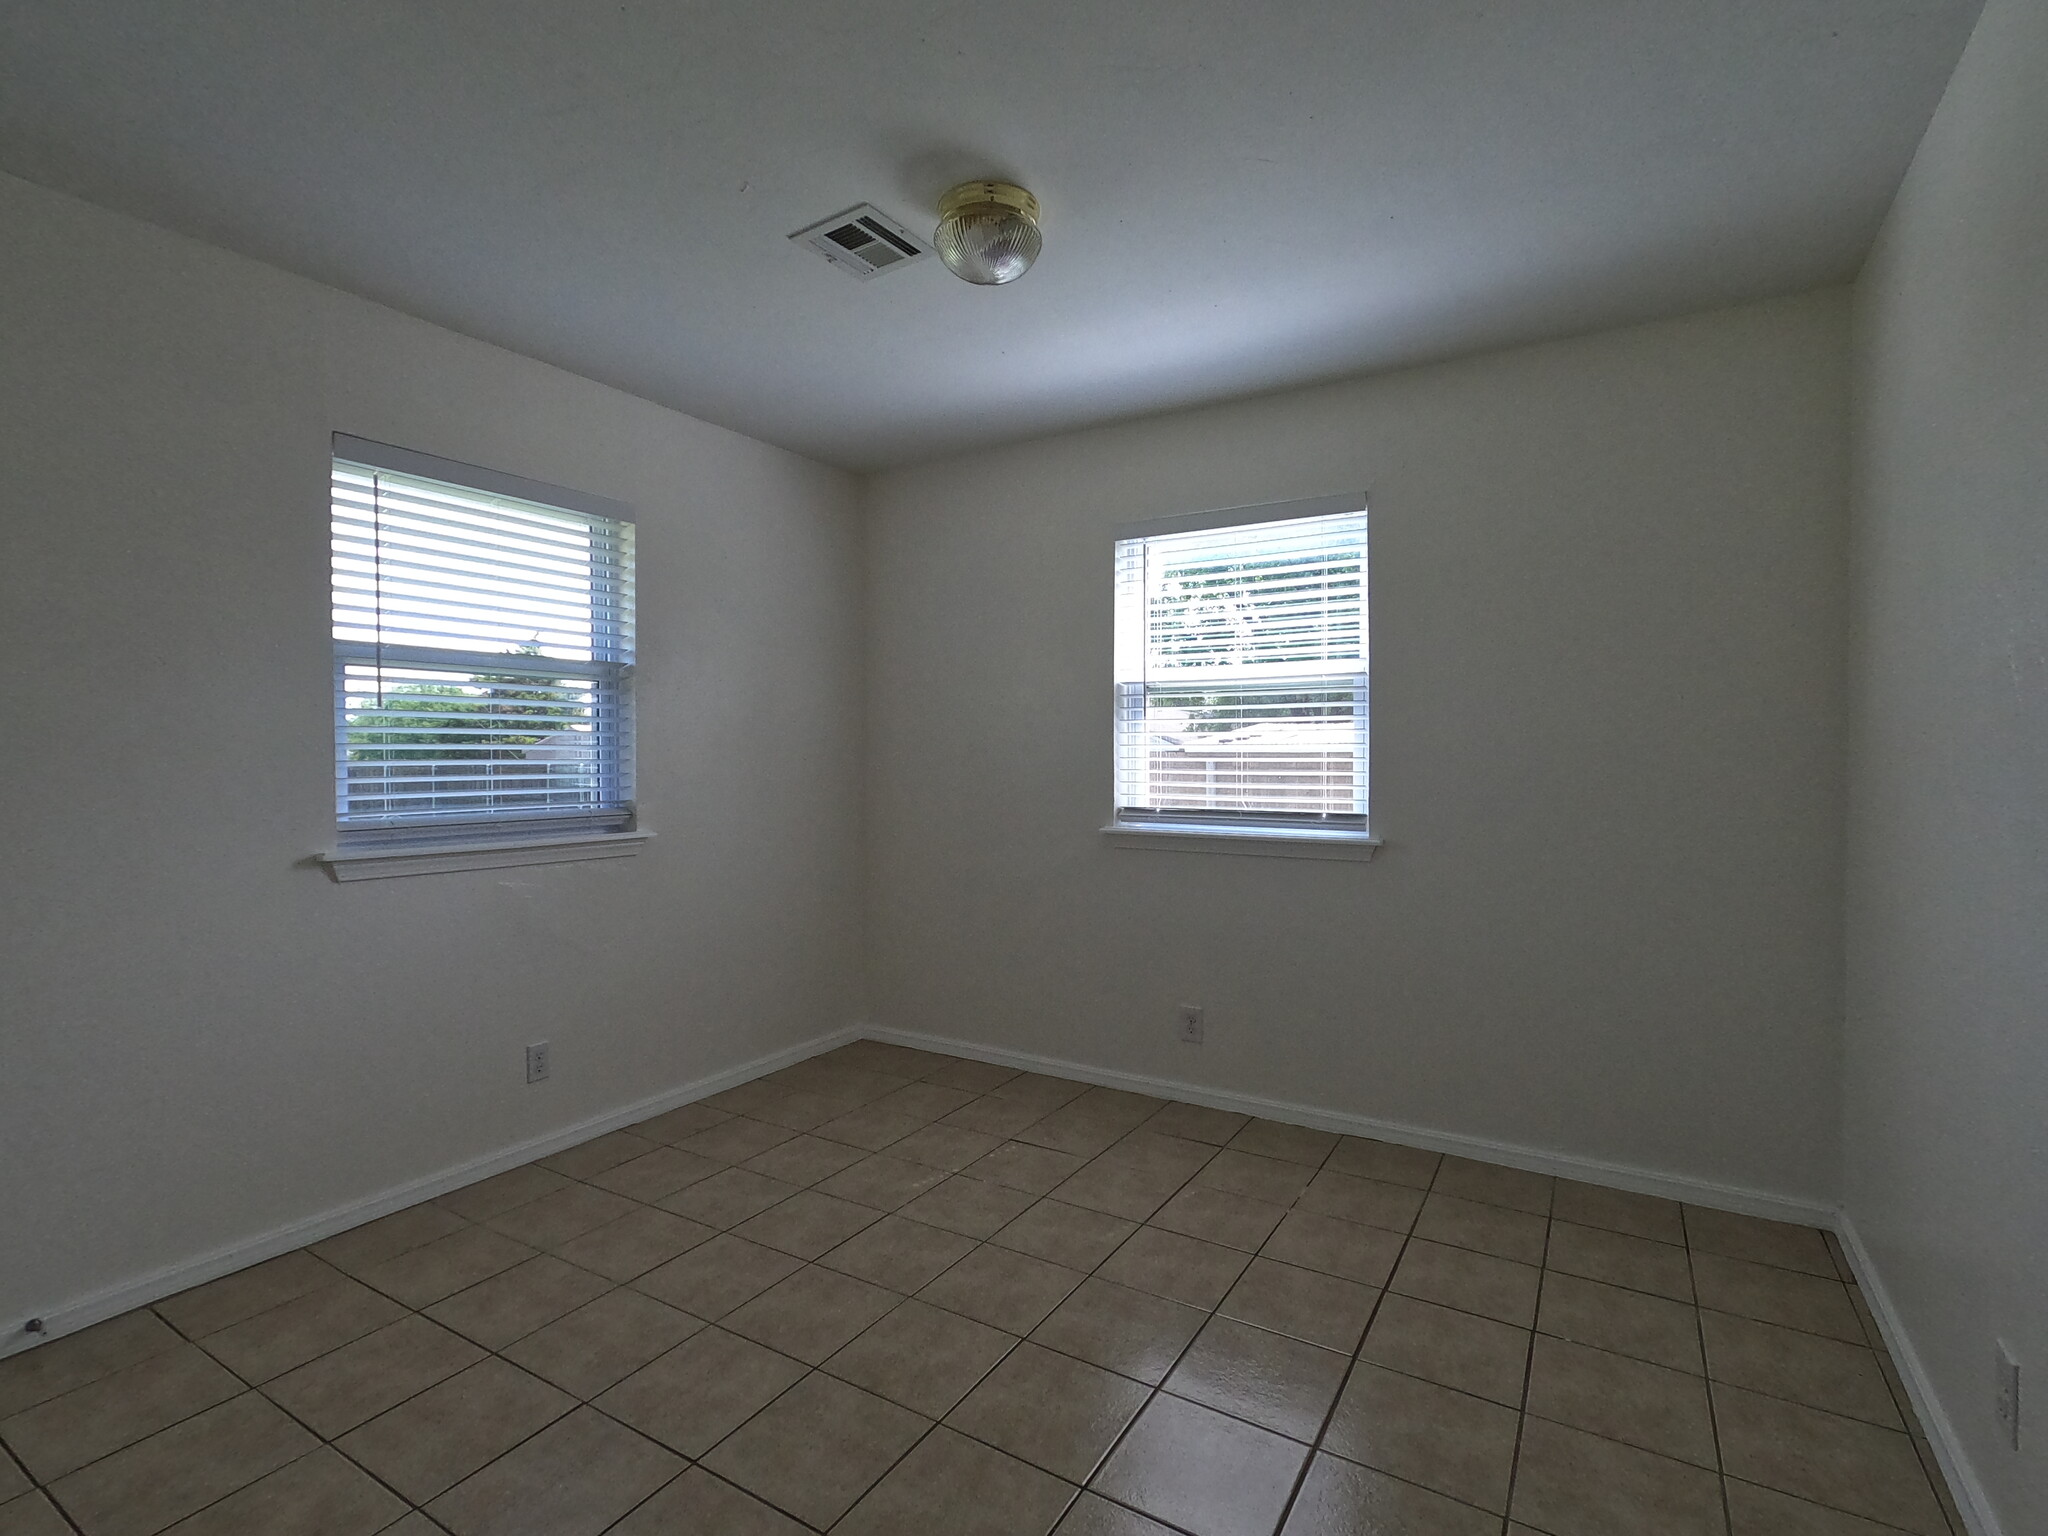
(1239,194)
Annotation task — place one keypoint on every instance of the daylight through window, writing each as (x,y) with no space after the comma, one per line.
(1242,674)
(483,649)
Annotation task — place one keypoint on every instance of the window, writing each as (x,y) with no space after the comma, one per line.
(483,654)
(1241,673)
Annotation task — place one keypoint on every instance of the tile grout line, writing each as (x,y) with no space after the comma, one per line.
(1707,1375)
(1528,1368)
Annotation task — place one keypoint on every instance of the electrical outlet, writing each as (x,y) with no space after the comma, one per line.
(1190,1023)
(2008,1395)
(537,1064)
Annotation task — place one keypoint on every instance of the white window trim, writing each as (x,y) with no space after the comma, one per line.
(373,861)
(382,863)
(1355,844)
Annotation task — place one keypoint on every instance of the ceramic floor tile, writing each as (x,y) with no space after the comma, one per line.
(702,1390)
(804,1160)
(1393,1206)
(1772,1295)
(381,1370)
(1150,1150)
(869,1127)
(602,1342)
(680,1124)
(88,1422)
(807,1224)
(952,1484)
(1495,1229)
(1218,1216)
(1644,1405)
(657,1174)
(811,1314)
(511,1305)
(1302,1303)
(1020,1165)
(449,1264)
(574,1478)
(972,1207)
(1754,1511)
(717,1275)
(1617,1210)
(1783,1362)
(13,1481)
(1183,1269)
(1491,1184)
(596,1155)
(1845,1464)
(728,1197)
(736,1140)
(1776,1243)
(229,1300)
(1451,1348)
(303,1329)
(1580,1484)
(1036,1088)
(1615,1258)
(1271,1179)
(31,1514)
(1472,1282)
(1276,1382)
(1121,1190)
(1451,1442)
(1202,1471)
(818,1448)
(922,1357)
(998,1116)
(1196,1122)
(323,1494)
(1383,1160)
(1132,1332)
(973,1076)
(1336,1247)
(357,1249)
(884,1182)
(1051,1410)
(181,1470)
(627,1248)
(803,1111)
(431,1442)
(901,1254)
(924,1101)
(950,1147)
(1341,1498)
(1006,1290)
(56,1367)
(501,1192)
(1093,1515)
(698,1504)
(1627,1322)
(1066,1234)
(1289,1143)
(1068,1129)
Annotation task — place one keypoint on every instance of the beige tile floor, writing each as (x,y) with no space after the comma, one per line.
(887,1291)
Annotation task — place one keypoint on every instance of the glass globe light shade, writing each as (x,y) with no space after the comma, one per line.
(988,231)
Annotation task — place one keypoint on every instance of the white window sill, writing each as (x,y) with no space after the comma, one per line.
(382,863)
(1268,842)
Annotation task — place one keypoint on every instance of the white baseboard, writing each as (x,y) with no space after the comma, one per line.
(1642,1181)
(70,1316)
(1971,1500)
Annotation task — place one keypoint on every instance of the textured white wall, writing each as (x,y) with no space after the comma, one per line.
(204,1037)
(1946,1106)
(1606,580)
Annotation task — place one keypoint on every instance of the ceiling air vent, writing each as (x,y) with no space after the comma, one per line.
(864,241)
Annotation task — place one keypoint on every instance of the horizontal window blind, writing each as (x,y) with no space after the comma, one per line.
(1242,673)
(483,649)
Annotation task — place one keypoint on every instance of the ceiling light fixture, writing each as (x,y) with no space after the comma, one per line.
(988,231)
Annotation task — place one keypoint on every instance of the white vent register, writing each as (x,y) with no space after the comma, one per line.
(863,241)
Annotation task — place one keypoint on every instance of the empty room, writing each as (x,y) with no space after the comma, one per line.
(1024,770)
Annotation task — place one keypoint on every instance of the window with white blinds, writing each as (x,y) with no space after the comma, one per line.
(483,653)
(1242,670)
